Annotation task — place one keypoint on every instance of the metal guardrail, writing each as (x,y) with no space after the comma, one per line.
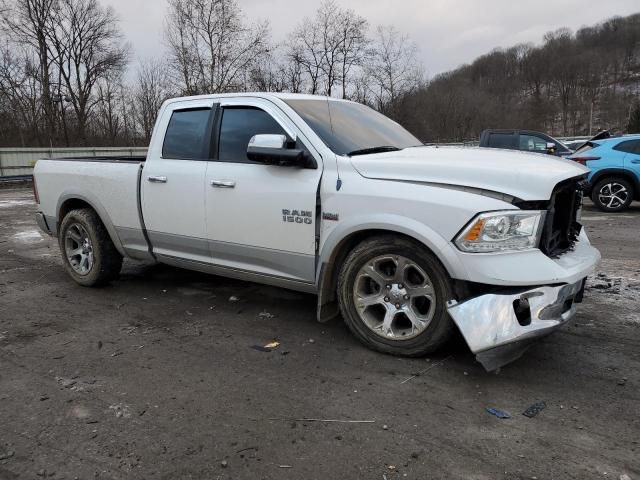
(17,162)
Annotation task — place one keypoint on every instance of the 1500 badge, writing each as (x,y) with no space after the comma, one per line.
(297,216)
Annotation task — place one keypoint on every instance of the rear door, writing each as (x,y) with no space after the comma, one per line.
(173,182)
(260,218)
(632,157)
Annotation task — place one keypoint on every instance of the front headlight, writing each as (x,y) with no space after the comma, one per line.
(502,231)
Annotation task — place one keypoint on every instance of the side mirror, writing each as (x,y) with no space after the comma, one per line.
(272,150)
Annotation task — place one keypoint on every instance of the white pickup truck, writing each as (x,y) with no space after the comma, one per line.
(328,196)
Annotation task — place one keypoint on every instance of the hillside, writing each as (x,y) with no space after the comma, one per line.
(570,84)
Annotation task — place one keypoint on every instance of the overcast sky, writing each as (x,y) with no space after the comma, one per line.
(448,32)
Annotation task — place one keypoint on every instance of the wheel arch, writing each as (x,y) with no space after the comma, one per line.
(72,201)
(617,173)
(342,241)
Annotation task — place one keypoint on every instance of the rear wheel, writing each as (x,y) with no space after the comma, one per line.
(612,194)
(393,295)
(88,254)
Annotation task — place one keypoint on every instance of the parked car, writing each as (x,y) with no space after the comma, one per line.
(331,197)
(574,145)
(614,177)
(524,140)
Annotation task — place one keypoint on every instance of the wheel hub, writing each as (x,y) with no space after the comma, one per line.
(397,295)
(394,297)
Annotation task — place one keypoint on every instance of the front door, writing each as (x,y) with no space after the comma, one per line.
(173,184)
(260,218)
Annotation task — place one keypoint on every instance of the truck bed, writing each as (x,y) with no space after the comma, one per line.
(110,185)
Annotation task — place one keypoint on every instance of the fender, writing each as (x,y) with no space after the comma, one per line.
(74,194)
(618,172)
(441,248)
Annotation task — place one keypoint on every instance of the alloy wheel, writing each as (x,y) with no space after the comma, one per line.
(79,249)
(394,297)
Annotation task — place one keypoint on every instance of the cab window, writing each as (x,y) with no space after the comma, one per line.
(186,134)
(533,143)
(237,126)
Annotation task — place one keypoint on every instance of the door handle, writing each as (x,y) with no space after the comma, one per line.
(223,183)
(635,160)
(159,179)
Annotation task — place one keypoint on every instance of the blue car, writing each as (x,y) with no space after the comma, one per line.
(615,171)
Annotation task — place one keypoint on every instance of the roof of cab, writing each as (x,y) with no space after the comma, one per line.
(281,96)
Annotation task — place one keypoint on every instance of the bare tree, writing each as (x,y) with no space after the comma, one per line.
(306,54)
(108,116)
(151,90)
(19,95)
(27,23)
(393,68)
(328,46)
(88,46)
(210,47)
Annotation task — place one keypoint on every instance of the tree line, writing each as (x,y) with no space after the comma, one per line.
(572,84)
(69,78)
(66,79)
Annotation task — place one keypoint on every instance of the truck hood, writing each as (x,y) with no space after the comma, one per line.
(527,176)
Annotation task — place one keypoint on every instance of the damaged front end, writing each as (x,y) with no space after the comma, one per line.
(499,327)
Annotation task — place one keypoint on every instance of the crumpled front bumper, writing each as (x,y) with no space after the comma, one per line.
(499,327)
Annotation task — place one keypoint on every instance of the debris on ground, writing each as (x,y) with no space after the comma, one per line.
(534,409)
(385,427)
(265,315)
(422,372)
(269,347)
(331,421)
(66,382)
(122,410)
(497,412)
(624,476)
(622,382)
(285,466)
(311,340)
(224,464)
(233,298)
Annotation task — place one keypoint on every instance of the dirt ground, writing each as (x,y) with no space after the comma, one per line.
(155,377)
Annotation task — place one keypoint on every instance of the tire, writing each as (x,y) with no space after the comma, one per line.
(609,193)
(377,257)
(88,254)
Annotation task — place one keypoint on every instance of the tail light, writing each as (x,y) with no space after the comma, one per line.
(35,190)
(583,160)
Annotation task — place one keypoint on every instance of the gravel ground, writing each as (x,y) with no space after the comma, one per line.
(155,376)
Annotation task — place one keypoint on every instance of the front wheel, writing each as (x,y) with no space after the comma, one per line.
(612,194)
(392,294)
(88,254)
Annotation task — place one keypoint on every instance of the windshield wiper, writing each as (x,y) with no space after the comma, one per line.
(381,149)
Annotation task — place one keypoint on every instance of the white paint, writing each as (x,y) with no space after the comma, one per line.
(378,192)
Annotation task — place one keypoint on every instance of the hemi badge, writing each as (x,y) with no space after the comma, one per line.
(330,216)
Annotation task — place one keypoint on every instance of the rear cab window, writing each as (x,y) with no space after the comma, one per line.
(187,136)
(502,140)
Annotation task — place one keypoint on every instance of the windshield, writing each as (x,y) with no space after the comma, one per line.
(351,128)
